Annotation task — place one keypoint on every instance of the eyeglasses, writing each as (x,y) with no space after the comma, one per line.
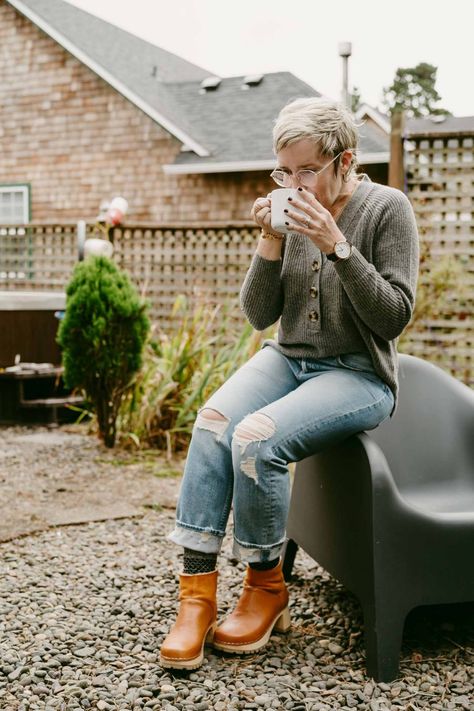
(306,178)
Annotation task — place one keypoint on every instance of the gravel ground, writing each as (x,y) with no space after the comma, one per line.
(53,477)
(84,608)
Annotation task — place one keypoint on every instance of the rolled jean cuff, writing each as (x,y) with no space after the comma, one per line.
(249,553)
(196,539)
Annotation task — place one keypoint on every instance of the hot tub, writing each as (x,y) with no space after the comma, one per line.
(28,326)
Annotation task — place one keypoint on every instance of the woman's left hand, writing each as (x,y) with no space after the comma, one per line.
(319,225)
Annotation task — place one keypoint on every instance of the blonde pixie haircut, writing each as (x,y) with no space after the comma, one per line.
(328,123)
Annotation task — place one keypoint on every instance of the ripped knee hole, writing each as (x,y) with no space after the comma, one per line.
(212,420)
(254,428)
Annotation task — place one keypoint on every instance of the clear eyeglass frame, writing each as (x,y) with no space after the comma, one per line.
(306,178)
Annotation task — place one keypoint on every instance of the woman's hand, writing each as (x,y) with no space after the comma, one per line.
(261,213)
(319,225)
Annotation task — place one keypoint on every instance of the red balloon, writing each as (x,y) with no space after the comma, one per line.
(114,216)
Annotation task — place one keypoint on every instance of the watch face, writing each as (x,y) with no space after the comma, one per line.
(342,249)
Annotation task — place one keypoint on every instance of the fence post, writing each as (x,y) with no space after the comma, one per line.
(81,239)
(396,169)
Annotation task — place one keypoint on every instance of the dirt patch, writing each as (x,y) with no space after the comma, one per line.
(61,476)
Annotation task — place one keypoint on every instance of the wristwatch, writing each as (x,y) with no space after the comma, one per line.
(342,250)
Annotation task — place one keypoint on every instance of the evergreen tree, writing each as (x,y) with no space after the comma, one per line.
(356,99)
(413,91)
(102,337)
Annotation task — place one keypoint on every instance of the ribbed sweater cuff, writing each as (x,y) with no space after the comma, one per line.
(355,268)
(265,271)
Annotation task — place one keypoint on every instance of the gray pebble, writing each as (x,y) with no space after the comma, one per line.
(16,673)
(84,652)
(262,699)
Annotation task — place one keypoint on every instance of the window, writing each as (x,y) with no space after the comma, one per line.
(14,204)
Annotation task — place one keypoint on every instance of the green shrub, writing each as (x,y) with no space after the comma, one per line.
(180,371)
(102,337)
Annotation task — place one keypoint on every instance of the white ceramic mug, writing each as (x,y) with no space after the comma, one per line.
(279,202)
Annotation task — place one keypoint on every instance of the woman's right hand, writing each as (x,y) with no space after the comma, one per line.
(261,213)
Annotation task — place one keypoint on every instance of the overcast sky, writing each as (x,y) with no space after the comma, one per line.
(235,37)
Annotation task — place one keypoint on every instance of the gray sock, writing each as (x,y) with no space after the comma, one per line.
(266,565)
(195,562)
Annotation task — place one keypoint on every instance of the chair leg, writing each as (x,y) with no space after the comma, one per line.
(288,555)
(383,628)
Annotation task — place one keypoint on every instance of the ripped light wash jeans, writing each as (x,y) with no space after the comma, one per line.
(273,410)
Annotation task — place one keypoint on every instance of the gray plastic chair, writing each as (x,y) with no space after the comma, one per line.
(390,514)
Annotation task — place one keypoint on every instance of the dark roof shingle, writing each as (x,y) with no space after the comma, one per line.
(235,123)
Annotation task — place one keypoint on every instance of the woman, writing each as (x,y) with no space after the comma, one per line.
(342,284)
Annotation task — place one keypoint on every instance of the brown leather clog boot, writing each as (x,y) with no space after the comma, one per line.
(195,624)
(262,607)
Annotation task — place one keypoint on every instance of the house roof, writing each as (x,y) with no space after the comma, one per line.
(439,126)
(235,120)
(382,120)
(222,129)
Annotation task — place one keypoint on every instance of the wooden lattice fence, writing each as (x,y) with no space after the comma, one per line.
(206,263)
(439,172)
(37,256)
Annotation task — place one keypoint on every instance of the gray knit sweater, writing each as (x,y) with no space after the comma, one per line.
(331,308)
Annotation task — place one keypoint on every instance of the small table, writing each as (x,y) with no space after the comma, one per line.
(14,400)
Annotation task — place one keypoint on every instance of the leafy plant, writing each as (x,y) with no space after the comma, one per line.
(441,288)
(102,337)
(180,371)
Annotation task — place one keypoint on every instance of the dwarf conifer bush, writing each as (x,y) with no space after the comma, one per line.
(102,337)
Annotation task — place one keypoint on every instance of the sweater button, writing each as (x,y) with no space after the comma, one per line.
(316,265)
(313,292)
(313,315)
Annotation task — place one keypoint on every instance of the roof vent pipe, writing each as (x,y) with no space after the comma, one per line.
(345,51)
